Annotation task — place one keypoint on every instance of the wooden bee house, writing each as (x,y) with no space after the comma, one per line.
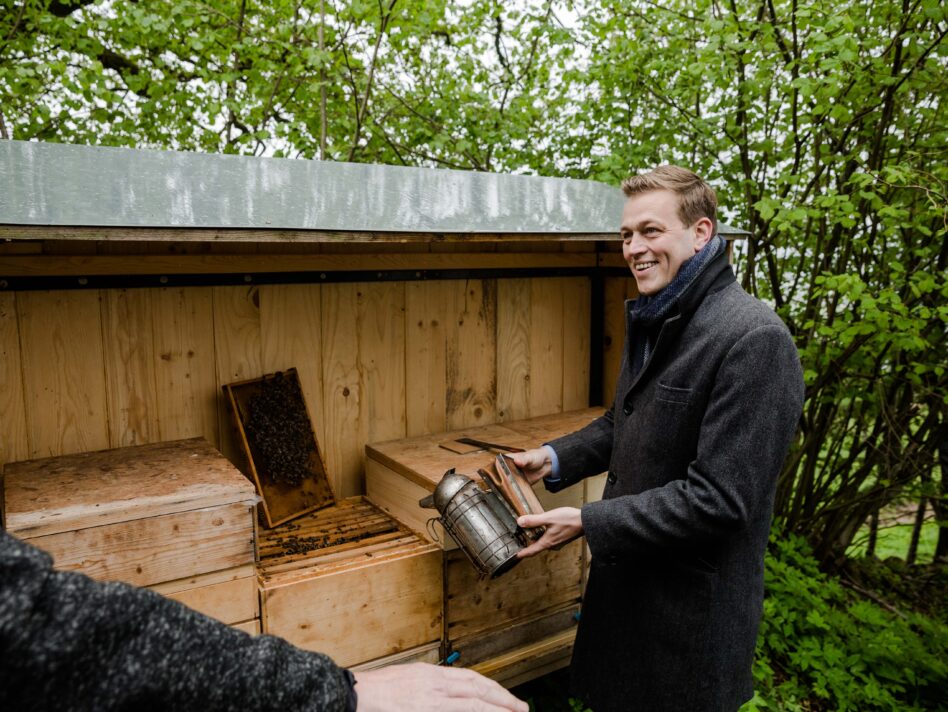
(176,517)
(135,284)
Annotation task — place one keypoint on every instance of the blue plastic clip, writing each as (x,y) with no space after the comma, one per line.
(451,659)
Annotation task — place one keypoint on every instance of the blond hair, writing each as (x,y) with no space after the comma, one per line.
(696,199)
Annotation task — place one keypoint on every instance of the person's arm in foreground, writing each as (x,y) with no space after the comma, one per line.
(70,643)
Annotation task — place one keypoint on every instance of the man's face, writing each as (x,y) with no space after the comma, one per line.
(655,243)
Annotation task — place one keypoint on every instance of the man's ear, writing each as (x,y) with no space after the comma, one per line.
(704,231)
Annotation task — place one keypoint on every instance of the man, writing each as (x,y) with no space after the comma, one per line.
(70,643)
(706,405)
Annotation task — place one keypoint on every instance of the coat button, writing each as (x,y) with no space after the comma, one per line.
(627,409)
(611,479)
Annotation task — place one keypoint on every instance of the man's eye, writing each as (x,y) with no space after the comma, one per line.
(651,231)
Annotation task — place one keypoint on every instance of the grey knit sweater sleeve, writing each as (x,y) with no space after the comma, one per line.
(70,643)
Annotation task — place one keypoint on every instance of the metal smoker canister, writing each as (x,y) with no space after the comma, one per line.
(482,525)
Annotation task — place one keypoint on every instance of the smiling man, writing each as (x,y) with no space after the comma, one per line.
(706,405)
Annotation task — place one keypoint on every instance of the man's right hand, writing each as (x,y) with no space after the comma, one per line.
(428,688)
(535,464)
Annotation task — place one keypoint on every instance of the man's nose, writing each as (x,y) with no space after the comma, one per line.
(633,245)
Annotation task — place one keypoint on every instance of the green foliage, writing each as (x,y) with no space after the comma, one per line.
(822,648)
(822,126)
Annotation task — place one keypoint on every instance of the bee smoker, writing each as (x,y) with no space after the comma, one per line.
(481,523)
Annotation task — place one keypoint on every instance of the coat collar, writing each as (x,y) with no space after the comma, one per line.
(716,275)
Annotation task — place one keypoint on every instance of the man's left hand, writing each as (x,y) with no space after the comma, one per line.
(562,526)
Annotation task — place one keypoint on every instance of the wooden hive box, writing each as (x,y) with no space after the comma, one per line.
(521,624)
(350,581)
(174,516)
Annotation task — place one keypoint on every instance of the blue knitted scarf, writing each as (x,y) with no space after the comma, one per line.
(649,311)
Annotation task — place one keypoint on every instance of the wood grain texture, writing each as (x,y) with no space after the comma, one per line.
(130,366)
(425,357)
(514,358)
(232,601)
(239,351)
(185,364)
(70,492)
(398,607)
(471,354)
(14,444)
(343,410)
(576,342)
(155,549)
(381,322)
(63,376)
(549,581)
(546,346)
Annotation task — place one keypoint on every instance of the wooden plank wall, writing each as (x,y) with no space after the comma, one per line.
(91,369)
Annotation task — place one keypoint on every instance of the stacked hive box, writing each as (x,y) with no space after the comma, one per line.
(521,624)
(350,581)
(175,517)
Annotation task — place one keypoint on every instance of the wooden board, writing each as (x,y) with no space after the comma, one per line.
(358,614)
(230,596)
(281,500)
(527,662)
(130,366)
(472,605)
(430,653)
(155,549)
(70,492)
(489,643)
(13,441)
(425,357)
(252,626)
(350,581)
(422,461)
(471,354)
(63,378)
(185,366)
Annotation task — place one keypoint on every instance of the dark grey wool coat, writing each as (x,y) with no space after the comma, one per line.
(70,643)
(693,445)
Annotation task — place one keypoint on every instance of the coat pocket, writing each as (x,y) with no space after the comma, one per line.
(674,394)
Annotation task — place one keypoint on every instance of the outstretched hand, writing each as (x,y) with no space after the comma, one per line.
(562,526)
(535,464)
(428,688)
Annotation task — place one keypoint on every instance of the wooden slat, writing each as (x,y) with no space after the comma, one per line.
(528,662)
(63,377)
(229,601)
(425,345)
(576,344)
(130,366)
(471,354)
(382,361)
(13,438)
(93,489)
(238,348)
(152,264)
(549,581)
(398,608)
(251,626)
(185,365)
(515,633)
(343,410)
(155,549)
(514,359)
(546,347)
(423,654)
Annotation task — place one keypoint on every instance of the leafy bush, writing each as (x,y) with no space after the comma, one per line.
(821,648)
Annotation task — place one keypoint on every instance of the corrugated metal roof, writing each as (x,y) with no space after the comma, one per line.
(68,185)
